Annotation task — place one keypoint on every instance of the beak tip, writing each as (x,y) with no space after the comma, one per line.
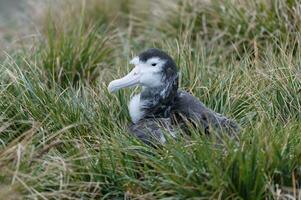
(111,88)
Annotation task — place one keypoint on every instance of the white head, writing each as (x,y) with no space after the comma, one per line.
(151,68)
(147,74)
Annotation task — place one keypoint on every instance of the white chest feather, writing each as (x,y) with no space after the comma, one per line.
(135,108)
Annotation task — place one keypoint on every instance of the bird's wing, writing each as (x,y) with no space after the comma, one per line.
(192,109)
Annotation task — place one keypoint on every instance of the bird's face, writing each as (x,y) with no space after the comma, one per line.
(149,71)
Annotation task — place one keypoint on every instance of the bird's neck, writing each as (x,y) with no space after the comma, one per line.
(154,102)
(159,100)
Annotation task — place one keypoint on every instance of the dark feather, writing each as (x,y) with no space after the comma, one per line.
(194,110)
(151,130)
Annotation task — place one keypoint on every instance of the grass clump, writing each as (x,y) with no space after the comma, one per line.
(62,136)
(74,49)
(241,26)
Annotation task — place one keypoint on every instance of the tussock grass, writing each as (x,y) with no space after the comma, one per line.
(76,50)
(63,136)
(239,25)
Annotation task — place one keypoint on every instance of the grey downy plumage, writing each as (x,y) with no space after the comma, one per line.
(161,106)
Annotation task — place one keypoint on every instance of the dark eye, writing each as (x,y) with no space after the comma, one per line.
(154,64)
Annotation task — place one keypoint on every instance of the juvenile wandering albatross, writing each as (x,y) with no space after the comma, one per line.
(161,105)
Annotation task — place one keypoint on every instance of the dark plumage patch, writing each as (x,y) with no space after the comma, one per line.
(159,103)
(153,52)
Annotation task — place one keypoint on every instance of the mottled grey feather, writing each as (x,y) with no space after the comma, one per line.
(188,107)
(152,130)
(194,110)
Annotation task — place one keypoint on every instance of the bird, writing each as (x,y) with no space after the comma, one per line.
(161,106)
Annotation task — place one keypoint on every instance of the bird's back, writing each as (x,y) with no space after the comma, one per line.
(192,109)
